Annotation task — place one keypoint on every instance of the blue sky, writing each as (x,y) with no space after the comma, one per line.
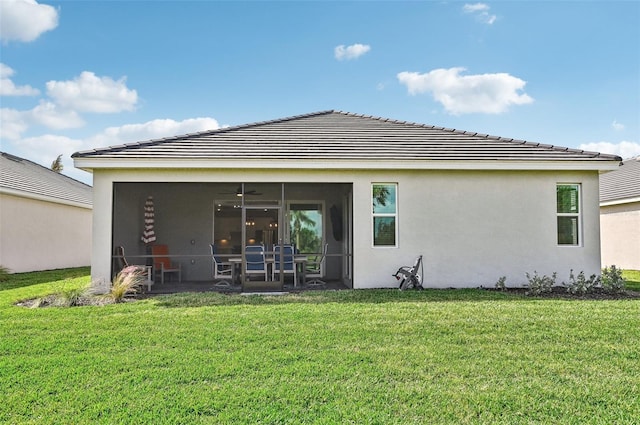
(76,75)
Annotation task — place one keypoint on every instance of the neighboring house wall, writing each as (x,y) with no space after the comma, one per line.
(472,227)
(42,235)
(620,227)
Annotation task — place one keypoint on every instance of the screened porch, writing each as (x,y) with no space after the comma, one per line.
(204,225)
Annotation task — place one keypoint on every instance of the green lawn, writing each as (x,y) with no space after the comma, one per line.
(362,357)
(632,278)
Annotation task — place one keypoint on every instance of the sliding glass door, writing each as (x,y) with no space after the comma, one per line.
(306,226)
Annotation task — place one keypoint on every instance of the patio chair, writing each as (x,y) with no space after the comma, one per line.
(255,261)
(222,270)
(162,263)
(410,277)
(288,262)
(313,271)
(122,263)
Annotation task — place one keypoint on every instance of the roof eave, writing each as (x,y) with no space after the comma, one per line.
(620,201)
(37,197)
(93,163)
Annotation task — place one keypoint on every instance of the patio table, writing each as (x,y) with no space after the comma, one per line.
(235,264)
(298,259)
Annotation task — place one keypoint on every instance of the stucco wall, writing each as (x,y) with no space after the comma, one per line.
(620,233)
(471,226)
(40,235)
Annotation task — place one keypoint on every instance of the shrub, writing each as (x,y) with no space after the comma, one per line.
(581,285)
(4,273)
(501,284)
(612,280)
(72,297)
(127,282)
(540,284)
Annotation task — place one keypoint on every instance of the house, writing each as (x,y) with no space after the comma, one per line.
(45,217)
(378,191)
(620,215)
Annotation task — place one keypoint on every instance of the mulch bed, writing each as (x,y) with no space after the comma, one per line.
(558,292)
(561,293)
(57,301)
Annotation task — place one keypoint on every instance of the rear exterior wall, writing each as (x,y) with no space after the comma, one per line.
(472,227)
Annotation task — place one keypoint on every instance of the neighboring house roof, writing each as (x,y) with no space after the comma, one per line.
(621,185)
(21,177)
(331,139)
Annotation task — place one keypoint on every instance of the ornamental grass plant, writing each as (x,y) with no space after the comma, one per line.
(126,283)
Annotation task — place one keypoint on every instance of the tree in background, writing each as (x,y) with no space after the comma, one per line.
(380,195)
(304,238)
(57,164)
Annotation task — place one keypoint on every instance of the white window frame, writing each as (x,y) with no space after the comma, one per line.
(374,215)
(577,215)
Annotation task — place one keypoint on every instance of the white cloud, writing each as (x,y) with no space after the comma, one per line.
(481,12)
(45,148)
(624,149)
(52,116)
(25,20)
(476,7)
(8,88)
(465,94)
(617,126)
(350,52)
(86,93)
(90,93)
(12,123)
(154,129)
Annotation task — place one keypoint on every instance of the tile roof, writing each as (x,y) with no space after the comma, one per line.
(623,183)
(337,136)
(20,176)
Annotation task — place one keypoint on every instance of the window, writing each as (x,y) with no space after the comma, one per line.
(568,212)
(385,211)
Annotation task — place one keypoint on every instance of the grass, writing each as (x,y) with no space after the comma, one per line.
(370,357)
(632,279)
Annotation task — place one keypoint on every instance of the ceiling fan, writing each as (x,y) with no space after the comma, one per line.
(238,192)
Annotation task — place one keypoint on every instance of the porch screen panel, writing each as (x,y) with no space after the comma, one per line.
(385,214)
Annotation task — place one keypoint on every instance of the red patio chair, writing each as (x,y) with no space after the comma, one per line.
(162,263)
